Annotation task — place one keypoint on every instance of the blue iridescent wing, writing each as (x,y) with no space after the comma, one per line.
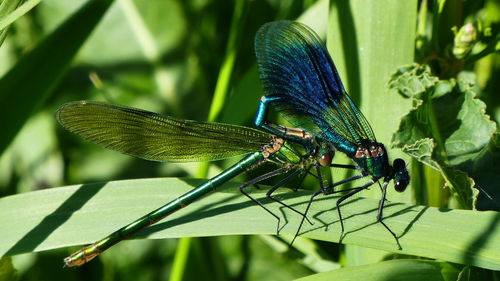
(295,68)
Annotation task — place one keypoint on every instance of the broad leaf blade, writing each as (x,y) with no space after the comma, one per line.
(61,217)
(402,269)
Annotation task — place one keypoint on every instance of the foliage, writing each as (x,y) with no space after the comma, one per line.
(424,74)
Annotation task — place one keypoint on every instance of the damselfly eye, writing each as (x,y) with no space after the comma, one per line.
(325,159)
(401,176)
(401,185)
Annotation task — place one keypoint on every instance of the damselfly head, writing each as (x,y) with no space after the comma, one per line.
(401,176)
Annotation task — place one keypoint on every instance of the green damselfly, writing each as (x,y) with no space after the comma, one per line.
(301,82)
(152,136)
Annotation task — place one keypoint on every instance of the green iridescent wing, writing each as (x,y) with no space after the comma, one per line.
(155,137)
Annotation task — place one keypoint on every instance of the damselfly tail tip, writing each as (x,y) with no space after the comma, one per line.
(76,259)
(82,256)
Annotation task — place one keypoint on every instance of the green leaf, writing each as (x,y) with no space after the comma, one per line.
(7,270)
(367,41)
(11,10)
(29,83)
(404,270)
(484,169)
(74,215)
(446,129)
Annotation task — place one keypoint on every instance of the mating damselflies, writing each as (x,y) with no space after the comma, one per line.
(300,81)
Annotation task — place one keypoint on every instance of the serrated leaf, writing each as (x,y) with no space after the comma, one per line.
(412,80)
(446,128)
(484,169)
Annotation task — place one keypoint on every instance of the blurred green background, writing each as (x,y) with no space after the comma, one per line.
(170,57)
